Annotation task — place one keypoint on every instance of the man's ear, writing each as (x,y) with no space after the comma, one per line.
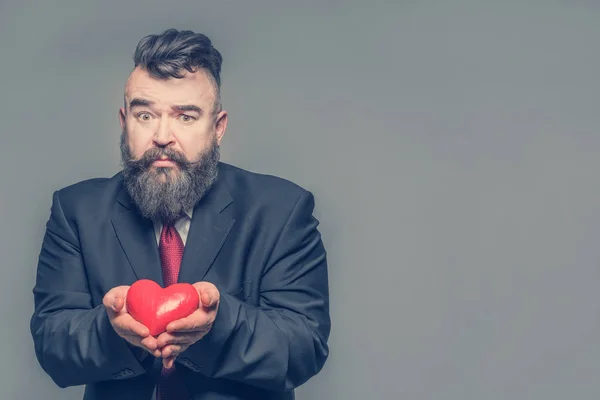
(122,118)
(220,125)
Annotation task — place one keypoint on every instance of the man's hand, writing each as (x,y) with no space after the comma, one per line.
(124,324)
(184,332)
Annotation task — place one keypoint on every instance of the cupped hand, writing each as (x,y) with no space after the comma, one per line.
(126,327)
(184,332)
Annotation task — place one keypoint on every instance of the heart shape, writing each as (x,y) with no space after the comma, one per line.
(155,307)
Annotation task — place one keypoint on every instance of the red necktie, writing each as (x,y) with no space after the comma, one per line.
(170,386)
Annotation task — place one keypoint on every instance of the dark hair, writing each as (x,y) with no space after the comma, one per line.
(167,54)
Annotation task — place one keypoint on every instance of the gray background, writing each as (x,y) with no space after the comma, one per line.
(452,147)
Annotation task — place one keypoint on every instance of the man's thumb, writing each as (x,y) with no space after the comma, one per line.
(118,304)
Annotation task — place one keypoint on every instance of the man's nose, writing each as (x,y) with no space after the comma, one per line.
(163,135)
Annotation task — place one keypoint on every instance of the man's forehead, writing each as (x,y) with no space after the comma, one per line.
(196,86)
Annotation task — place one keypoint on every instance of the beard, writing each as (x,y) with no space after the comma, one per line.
(163,193)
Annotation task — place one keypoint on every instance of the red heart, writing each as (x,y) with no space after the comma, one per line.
(156,307)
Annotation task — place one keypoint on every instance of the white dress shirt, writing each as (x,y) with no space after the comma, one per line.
(182,225)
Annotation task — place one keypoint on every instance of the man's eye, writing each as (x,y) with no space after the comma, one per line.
(144,116)
(186,118)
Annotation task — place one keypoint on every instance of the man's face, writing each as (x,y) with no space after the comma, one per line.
(174,114)
(170,142)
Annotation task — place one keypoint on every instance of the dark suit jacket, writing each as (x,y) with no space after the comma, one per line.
(253,236)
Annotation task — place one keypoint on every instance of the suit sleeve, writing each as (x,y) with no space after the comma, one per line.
(283,342)
(75,343)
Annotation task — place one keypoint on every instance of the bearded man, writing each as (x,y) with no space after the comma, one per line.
(247,242)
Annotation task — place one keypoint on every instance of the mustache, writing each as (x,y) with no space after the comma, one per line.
(157,153)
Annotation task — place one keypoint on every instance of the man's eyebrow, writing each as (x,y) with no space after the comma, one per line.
(188,107)
(137,102)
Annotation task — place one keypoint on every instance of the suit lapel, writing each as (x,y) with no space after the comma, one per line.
(209,228)
(137,238)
